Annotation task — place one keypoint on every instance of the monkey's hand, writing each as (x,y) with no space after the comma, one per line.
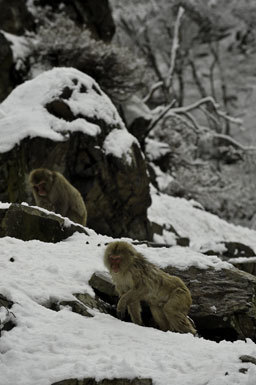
(121,308)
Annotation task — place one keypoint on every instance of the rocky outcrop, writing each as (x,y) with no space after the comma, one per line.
(95,14)
(6,65)
(15,17)
(112,178)
(27,223)
(240,255)
(224,301)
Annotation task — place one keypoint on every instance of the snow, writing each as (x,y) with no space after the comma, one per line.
(163,180)
(23,112)
(201,227)
(156,149)
(119,143)
(47,346)
(19,46)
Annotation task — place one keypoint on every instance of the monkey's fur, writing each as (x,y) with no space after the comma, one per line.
(139,280)
(53,192)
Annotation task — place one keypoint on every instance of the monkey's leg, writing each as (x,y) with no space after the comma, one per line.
(134,310)
(159,317)
(178,321)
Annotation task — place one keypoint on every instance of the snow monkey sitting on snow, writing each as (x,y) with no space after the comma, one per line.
(138,280)
(53,192)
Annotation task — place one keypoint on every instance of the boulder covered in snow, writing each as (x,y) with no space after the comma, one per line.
(26,223)
(63,121)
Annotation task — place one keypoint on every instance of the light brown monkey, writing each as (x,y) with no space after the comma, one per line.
(53,192)
(138,280)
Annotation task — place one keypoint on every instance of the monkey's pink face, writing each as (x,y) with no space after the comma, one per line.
(40,188)
(115,261)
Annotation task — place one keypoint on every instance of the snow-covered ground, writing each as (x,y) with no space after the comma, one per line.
(190,220)
(47,346)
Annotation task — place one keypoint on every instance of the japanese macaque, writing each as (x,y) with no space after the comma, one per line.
(53,192)
(138,280)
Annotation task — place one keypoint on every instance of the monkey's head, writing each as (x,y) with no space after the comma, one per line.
(41,180)
(119,256)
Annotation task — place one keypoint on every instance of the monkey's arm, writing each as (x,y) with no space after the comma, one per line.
(59,197)
(128,298)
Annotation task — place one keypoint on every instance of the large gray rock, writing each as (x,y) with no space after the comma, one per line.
(224,304)
(27,223)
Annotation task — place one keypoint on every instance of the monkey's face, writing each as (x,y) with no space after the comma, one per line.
(40,188)
(41,181)
(119,256)
(115,261)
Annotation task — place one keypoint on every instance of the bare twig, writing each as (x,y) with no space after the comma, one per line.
(215,53)
(152,90)
(197,80)
(233,142)
(175,46)
(196,126)
(159,117)
(208,99)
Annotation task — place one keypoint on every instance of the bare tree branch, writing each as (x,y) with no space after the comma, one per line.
(159,117)
(152,90)
(175,46)
(233,142)
(208,99)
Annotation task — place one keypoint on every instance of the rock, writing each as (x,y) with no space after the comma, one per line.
(7,321)
(95,14)
(176,238)
(240,255)
(15,17)
(115,187)
(6,65)
(114,381)
(27,223)
(102,282)
(84,302)
(250,359)
(224,303)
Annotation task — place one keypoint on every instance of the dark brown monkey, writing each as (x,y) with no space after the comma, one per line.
(138,280)
(53,192)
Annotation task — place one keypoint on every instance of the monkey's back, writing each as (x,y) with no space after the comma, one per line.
(157,285)
(74,208)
